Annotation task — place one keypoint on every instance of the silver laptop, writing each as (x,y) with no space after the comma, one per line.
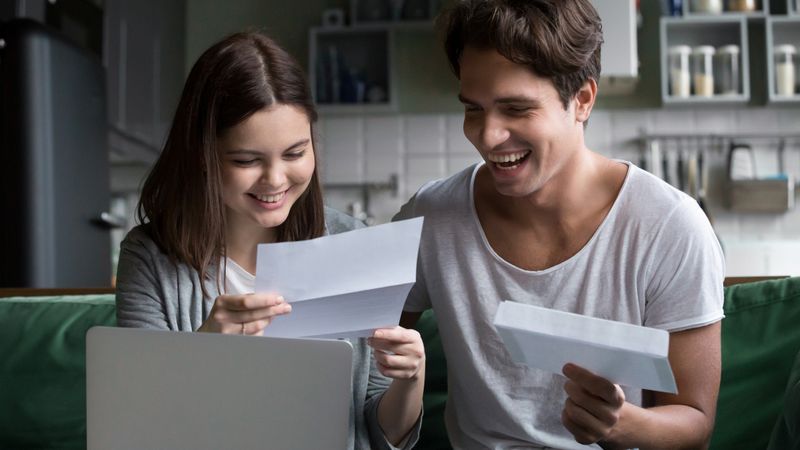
(148,389)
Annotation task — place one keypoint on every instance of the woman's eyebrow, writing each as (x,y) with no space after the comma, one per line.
(243,151)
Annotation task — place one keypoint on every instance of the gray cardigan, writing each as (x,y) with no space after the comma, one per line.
(153,292)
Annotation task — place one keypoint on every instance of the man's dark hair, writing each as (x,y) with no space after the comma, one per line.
(556,39)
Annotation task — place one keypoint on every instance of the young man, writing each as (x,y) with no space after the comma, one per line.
(546,221)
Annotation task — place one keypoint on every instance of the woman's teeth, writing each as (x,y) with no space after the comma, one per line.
(270,198)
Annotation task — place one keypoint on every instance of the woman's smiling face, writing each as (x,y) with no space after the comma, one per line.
(267,164)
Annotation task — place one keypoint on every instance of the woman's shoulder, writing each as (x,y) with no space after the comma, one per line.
(339,222)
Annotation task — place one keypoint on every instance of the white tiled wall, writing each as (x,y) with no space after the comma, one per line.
(418,148)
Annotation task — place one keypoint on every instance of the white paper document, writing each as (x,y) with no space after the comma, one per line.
(625,354)
(343,285)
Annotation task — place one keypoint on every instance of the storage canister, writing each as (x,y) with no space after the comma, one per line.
(785,69)
(703,70)
(727,70)
(707,6)
(679,75)
(742,5)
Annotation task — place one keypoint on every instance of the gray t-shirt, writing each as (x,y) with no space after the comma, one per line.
(654,261)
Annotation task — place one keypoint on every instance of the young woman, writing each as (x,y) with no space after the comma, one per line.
(239,169)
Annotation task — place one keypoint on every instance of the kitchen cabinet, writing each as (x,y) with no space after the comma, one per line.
(351,68)
(757,33)
(783,75)
(716,31)
(144,55)
(619,34)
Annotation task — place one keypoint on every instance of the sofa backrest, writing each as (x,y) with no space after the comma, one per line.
(42,368)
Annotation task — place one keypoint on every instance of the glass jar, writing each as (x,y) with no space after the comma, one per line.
(742,5)
(785,69)
(703,70)
(707,6)
(727,70)
(679,75)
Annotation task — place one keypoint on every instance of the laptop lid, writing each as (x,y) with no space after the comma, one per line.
(172,390)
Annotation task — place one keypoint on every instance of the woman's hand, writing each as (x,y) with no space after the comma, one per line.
(244,314)
(399,353)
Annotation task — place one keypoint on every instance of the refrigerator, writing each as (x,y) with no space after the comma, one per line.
(54,169)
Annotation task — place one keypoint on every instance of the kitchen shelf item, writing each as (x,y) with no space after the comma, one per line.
(752,9)
(384,12)
(727,70)
(351,69)
(680,81)
(742,6)
(706,6)
(704,34)
(703,70)
(783,43)
(785,69)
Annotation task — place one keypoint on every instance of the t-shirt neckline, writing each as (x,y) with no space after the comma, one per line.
(487,246)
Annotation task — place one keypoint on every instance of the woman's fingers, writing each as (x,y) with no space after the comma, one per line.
(399,353)
(244,314)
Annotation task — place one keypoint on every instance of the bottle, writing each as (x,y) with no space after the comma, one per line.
(707,6)
(784,69)
(703,71)
(679,77)
(742,5)
(727,70)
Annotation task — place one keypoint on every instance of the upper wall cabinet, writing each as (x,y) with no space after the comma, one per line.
(143,54)
(619,53)
(351,67)
(709,54)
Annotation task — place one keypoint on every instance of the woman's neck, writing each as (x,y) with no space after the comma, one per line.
(241,242)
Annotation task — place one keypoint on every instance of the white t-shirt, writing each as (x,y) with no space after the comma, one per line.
(654,261)
(237,280)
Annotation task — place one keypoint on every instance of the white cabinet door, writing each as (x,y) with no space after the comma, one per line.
(619,53)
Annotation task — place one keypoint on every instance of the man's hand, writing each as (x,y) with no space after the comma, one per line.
(593,405)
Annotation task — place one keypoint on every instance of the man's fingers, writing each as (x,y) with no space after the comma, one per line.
(596,406)
(595,385)
(582,434)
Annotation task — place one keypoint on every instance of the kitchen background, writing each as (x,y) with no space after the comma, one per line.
(390,119)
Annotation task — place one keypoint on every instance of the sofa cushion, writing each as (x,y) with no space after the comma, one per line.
(42,369)
(760,338)
(786,435)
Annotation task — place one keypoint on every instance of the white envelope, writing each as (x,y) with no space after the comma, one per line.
(343,285)
(547,339)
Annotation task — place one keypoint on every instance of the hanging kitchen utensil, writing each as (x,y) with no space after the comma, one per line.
(691,175)
(751,194)
(665,164)
(680,166)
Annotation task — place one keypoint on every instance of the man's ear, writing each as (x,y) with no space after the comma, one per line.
(584,100)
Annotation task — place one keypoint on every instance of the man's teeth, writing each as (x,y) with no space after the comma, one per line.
(507,158)
(270,198)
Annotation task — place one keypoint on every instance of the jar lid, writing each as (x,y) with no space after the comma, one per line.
(786,49)
(680,50)
(704,50)
(729,49)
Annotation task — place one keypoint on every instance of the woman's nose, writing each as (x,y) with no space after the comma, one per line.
(273,176)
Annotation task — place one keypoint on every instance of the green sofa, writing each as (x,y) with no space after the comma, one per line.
(42,357)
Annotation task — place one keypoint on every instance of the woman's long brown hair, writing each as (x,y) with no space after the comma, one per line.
(182,196)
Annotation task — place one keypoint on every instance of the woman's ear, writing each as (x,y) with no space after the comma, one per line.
(584,100)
